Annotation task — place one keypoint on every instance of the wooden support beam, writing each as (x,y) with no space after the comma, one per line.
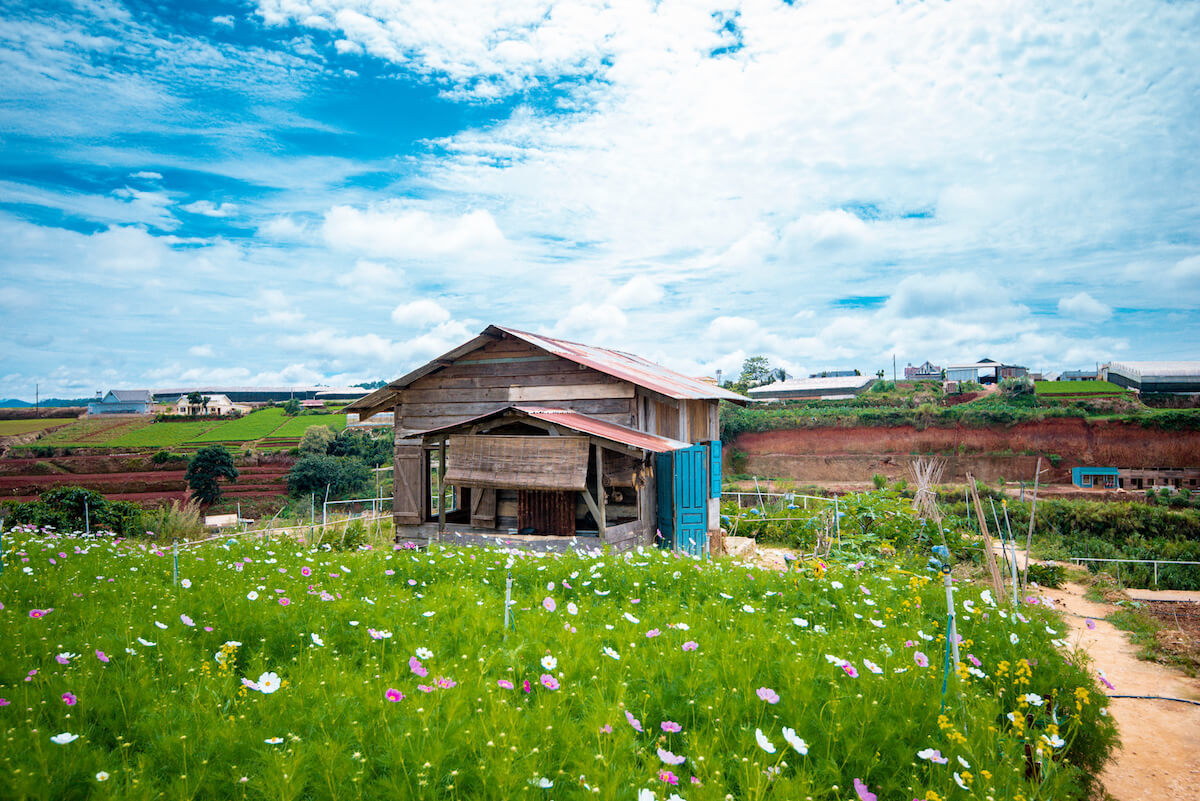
(592,507)
(441,487)
(603,523)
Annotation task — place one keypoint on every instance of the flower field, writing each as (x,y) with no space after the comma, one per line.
(269,671)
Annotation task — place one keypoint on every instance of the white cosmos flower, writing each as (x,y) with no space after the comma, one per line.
(837,585)
(611,653)
(801,622)
(1013,638)
(958,780)
(1054,741)
(1034,699)
(549,662)
(726,597)
(424,653)
(64,738)
(542,782)
(268,683)
(572,609)
(273,740)
(631,618)
(102,776)
(964,763)
(252,596)
(747,608)
(795,742)
(186,584)
(646,795)
(683,626)
(185,620)
(430,613)
(145,642)
(763,742)
(160,625)
(316,639)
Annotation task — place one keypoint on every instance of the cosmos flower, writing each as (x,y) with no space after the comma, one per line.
(631,618)
(549,682)
(871,666)
(505,684)
(102,776)
(549,662)
(284,601)
(446,683)
(416,667)
(185,583)
(548,604)
(863,793)
(670,726)
(801,622)
(634,722)
(850,670)
(64,738)
(393,695)
(921,659)
(316,639)
(185,620)
(65,657)
(763,742)
(668,777)
(797,744)
(572,609)
(423,653)
(768,695)
(252,596)
(1034,699)
(273,740)
(653,633)
(933,756)
(268,683)
(306,571)
(691,645)
(670,759)
(609,652)
(69,698)
(146,643)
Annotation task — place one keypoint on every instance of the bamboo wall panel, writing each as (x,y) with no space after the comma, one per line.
(550,513)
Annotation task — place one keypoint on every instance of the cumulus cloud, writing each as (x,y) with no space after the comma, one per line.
(224,21)
(277,309)
(420,313)
(391,232)
(147,175)
(210,209)
(371,276)
(202,351)
(1082,306)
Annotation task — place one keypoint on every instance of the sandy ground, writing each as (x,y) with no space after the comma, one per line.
(1159,755)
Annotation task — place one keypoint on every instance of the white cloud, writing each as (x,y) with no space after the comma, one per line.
(147,175)
(420,313)
(202,351)
(390,231)
(371,276)
(277,310)
(639,291)
(1082,306)
(209,209)
(284,228)
(127,248)
(224,20)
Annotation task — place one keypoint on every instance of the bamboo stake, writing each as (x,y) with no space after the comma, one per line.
(989,557)
(1032,514)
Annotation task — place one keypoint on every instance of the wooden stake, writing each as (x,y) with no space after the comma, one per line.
(602,521)
(989,557)
(441,487)
(1032,514)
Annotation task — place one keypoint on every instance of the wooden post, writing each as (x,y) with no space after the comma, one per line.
(441,487)
(1037,474)
(602,522)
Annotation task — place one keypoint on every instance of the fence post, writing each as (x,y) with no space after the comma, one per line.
(1156,574)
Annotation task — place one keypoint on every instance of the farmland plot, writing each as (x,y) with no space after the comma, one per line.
(270,671)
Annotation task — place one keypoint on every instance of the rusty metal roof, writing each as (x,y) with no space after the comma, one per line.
(618,364)
(630,368)
(575,421)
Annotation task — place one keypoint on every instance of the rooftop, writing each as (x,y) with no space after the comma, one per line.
(832,383)
(1176,369)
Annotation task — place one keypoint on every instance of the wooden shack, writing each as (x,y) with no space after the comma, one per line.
(517,435)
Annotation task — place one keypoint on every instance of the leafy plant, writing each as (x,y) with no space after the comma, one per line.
(205,470)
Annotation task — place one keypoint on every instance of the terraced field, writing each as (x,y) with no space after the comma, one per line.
(255,425)
(11,428)
(94,432)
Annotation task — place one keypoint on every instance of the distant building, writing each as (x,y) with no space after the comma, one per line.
(1096,477)
(828,388)
(122,401)
(834,374)
(986,371)
(264,394)
(1166,377)
(1078,375)
(214,406)
(379,420)
(926,370)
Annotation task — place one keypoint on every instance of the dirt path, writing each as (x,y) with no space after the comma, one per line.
(1159,755)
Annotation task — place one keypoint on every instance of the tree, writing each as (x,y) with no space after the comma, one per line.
(292,407)
(317,439)
(755,370)
(206,468)
(195,401)
(315,473)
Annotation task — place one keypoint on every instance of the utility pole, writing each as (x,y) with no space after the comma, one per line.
(37,400)
(893,368)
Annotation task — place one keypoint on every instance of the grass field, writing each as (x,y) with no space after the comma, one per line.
(93,432)
(253,426)
(298,425)
(1077,388)
(276,672)
(162,435)
(10,428)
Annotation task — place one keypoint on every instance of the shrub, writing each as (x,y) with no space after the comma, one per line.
(180,520)
(206,468)
(879,480)
(316,440)
(1047,575)
(78,509)
(313,473)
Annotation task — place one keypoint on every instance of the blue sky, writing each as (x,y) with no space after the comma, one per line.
(328,191)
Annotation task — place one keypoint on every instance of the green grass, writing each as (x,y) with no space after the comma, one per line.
(251,427)
(162,435)
(168,715)
(93,432)
(1078,388)
(10,428)
(296,426)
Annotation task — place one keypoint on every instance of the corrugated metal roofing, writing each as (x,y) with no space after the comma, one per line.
(812,384)
(577,422)
(618,364)
(1167,369)
(131,395)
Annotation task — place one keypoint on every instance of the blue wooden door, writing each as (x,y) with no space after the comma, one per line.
(692,487)
(683,487)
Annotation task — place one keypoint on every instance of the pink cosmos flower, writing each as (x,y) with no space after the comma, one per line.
(1091,624)
(4,702)
(653,633)
(768,695)
(505,684)
(973,660)
(549,604)
(69,699)
(416,667)
(695,780)
(526,686)
(549,682)
(446,683)
(306,571)
(909,644)
(670,726)
(284,601)
(62,659)
(634,722)
(394,695)
(35,613)
(388,572)
(921,659)
(691,645)
(670,759)
(863,792)
(425,688)
(851,671)
(103,657)
(668,777)
(605,729)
